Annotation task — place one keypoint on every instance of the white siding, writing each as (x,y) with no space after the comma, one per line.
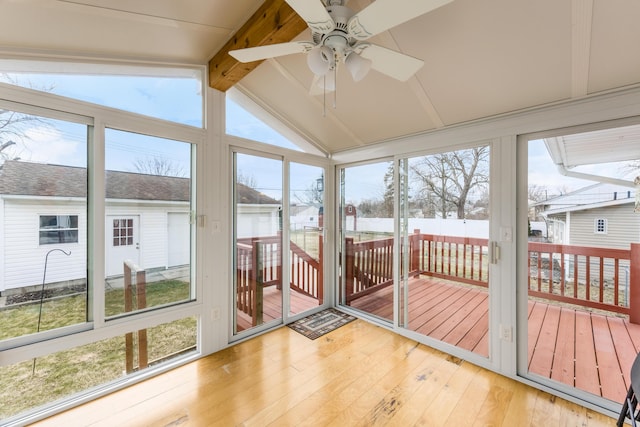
(257,220)
(623,227)
(179,232)
(154,235)
(24,257)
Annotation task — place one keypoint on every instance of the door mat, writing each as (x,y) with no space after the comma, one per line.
(318,324)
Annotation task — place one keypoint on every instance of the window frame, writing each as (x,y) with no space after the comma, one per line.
(597,228)
(58,229)
(98,118)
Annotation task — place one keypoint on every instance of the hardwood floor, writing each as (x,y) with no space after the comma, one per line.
(358,375)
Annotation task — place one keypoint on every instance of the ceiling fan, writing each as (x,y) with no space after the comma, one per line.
(339,35)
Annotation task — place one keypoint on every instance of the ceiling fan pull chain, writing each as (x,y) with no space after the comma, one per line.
(324,96)
(335,80)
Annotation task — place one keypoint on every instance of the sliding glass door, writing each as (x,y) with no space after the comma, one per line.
(278,239)
(367,242)
(444,229)
(583,247)
(257,240)
(306,237)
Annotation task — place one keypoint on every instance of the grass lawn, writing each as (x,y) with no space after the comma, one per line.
(67,372)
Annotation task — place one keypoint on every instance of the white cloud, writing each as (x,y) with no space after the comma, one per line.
(48,144)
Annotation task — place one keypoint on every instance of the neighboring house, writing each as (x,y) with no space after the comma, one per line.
(258,215)
(600,215)
(43,207)
(304,217)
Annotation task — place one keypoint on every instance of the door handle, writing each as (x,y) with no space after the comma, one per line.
(494,250)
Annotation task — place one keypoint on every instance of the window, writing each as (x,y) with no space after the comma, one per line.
(152,91)
(148,188)
(89,235)
(123,232)
(55,229)
(600,226)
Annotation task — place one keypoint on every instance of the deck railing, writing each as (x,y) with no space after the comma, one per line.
(259,265)
(597,278)
(600,278)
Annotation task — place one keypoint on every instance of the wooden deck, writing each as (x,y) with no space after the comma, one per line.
(590,351)
(298,302)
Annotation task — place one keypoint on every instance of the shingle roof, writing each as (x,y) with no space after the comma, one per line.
(40,179)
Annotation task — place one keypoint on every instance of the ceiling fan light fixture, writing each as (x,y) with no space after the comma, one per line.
(320,60)
(328,82)
(357,65)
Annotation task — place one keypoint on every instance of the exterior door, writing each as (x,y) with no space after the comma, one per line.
(122,241)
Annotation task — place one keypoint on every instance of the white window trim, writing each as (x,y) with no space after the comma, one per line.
(596,226)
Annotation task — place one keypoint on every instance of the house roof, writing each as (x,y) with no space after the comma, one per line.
(590,197)
(482,58)
(41,179)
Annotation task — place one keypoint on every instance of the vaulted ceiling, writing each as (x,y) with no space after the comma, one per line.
(482,58)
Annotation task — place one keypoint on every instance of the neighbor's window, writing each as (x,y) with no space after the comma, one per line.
(56,229)
(600,226)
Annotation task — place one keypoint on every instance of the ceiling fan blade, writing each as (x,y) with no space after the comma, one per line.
(258,53)
(390,62)
(314,14)
(382,15)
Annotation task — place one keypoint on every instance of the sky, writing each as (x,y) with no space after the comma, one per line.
(177,99)
(180,100)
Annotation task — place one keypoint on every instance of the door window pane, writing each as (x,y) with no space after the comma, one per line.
(257,240)
(306,222)
(367,223)
(446,258)
(43,214)
(148,232)
(583,238)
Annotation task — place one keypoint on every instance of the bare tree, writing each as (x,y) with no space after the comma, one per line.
(313,195)
(248,180)
(14,125)
(13,133)
(158,166)
(451,178)
(537,193)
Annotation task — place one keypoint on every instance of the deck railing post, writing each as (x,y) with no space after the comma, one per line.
(634,284)
(414,247)
(349,265)
(141,302)
(320,269)
(257,282)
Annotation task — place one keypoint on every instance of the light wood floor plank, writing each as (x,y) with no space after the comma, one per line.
(358,375)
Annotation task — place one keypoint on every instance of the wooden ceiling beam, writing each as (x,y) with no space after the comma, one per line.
(274,22)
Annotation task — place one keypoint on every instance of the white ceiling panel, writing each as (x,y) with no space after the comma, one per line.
(615,57)
(482,58)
